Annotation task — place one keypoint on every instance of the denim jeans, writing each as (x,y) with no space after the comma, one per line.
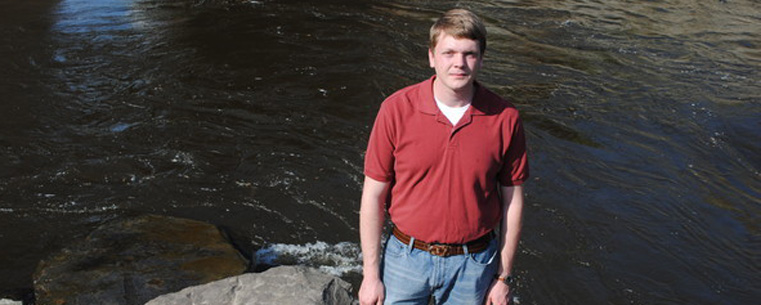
(412,276)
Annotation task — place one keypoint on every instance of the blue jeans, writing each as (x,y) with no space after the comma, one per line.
(412,276)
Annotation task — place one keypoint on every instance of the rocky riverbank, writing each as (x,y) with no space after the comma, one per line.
(150,258)
(279,285)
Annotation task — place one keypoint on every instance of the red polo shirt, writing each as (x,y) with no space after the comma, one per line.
(445,178)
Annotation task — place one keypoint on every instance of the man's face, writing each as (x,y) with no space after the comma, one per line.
(456,61)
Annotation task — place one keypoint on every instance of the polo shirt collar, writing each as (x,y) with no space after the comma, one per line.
(427,104)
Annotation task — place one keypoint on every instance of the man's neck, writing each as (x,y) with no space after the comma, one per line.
(452,98)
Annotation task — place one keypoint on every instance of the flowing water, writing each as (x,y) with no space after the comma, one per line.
(643,120)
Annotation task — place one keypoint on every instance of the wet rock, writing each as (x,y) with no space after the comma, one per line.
(280,285)
(133,260)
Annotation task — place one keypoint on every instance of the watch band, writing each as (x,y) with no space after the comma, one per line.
(508,280)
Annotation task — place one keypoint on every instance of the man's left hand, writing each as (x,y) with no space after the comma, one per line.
(498,294)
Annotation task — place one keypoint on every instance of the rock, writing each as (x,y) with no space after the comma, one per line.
(280,285)
(133,260)
(10,302)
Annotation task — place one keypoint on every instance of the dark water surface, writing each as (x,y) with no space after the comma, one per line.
(643,118)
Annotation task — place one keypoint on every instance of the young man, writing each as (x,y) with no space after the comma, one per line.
(449,158)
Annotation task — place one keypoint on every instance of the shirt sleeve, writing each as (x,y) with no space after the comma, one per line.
(379,158)
(515,169)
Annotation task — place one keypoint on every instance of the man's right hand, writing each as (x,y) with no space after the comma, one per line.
(371,218)
(371,292)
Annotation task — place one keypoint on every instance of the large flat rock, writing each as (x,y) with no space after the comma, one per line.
(130,261)
(285,285)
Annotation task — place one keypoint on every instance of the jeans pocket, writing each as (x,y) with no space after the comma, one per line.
(486,257)
(395,248)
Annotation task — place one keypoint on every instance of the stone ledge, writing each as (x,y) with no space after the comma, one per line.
(282,285)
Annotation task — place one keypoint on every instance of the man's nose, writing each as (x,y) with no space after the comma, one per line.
(460,60)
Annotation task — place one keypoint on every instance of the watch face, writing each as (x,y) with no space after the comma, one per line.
(507,280)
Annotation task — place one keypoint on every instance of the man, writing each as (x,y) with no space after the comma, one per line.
(448,156)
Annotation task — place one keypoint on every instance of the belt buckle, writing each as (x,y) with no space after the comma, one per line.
(438,249)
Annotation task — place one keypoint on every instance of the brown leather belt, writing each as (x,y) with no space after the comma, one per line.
(439,249)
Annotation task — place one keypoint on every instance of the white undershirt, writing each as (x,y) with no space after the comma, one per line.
(454,114)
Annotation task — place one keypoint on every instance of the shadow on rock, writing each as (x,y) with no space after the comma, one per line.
(131,261)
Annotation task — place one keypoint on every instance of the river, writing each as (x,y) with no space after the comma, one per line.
(643,120)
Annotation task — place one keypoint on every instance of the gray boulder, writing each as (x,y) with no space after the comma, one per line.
(9,302)
(130,261)
(282,285)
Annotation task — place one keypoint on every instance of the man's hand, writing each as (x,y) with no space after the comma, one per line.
(371,218)
(498,294)
(371,292)
(512,221)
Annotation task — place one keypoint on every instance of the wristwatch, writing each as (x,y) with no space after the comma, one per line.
(508,280)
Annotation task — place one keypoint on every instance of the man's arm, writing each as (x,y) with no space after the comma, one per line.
(512,221)
(371,218)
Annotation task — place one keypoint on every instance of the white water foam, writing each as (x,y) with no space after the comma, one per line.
(338,259)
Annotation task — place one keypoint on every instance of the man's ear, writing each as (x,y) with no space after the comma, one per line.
(431,60)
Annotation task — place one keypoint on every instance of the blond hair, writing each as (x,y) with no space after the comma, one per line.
(459,23)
